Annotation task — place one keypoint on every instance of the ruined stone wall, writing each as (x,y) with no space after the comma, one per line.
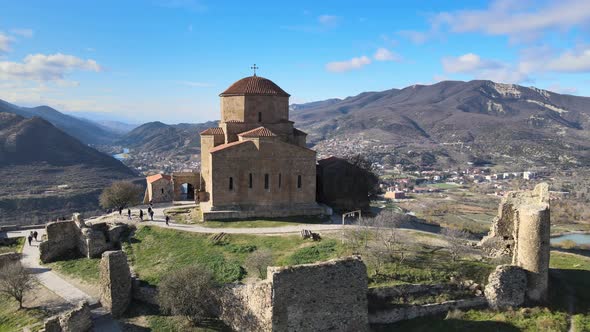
(74,237)
(76,320)
(248,307)
(62,239)
(179,178)
(115,282)
(410,312)
(522,231)
(160,191)
(327,296)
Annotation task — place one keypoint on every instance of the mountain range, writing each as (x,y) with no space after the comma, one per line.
(48,173)
(86,131)
(453,122)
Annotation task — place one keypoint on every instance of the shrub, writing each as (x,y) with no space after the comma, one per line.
(189,292)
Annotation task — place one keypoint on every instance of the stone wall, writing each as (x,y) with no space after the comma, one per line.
(74,237)
(327,296)
(62,240)
(522,231)
(76,320)
(115,282)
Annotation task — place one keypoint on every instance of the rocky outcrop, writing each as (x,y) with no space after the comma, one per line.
(506,287)
(115,282)
(76,320)
(522,231)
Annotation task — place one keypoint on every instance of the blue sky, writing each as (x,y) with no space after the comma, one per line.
(168,60)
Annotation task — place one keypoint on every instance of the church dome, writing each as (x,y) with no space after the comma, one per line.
(254,85)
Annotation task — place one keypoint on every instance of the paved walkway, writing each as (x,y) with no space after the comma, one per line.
(159,221)
(47,277)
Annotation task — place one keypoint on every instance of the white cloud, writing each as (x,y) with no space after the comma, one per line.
(516,18)
(26,33)
(473,64)
(570,61)
(5,42)
(383,54)
(42,67)
(467,63)
(329,21)
(342,66)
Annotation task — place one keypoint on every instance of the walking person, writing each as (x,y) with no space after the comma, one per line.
(120,212)
(35,234)
(129,214)
(167,220)
(152,215)
(140,215)
(30,238)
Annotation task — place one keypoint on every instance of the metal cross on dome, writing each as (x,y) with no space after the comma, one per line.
(254,68)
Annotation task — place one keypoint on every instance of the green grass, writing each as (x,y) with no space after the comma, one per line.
(426,266)
(566,271)
(82,268)
(279,222)
(12,319)
(154,252)
(16,245)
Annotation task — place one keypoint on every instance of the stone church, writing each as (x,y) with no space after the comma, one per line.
(256,163)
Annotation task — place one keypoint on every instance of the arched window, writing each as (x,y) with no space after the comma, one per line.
(162,191)
(298,181)
(266,181)
(280,180)
(250,180)
(259,116)
(231,183)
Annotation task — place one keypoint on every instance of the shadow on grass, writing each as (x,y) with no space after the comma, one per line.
(440,325)
(566,285)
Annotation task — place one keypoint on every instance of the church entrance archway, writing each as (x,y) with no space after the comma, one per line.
(187,192)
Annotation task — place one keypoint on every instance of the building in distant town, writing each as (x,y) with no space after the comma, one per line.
(395,194)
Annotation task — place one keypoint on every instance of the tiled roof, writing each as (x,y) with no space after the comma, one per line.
(225,146)
(257,132)
(156,177)
(254,85)
(213,131)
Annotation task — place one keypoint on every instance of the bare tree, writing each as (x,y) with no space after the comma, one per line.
(120,195)
(259,260)
(457,241)
(385,229)
(189,292)
(15,281)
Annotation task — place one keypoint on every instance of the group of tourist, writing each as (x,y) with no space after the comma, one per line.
(33,235)
(150,212)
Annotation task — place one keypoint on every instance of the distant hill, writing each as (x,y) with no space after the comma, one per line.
(161,138)
(48,173)
(453,122)
(84,130)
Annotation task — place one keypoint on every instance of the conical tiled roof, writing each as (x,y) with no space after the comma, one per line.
(254,85)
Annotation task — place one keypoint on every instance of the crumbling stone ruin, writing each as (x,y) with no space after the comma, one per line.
(115,282)
(506,287)
(74,237)
(522,231)
(327,296)
(78,319)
